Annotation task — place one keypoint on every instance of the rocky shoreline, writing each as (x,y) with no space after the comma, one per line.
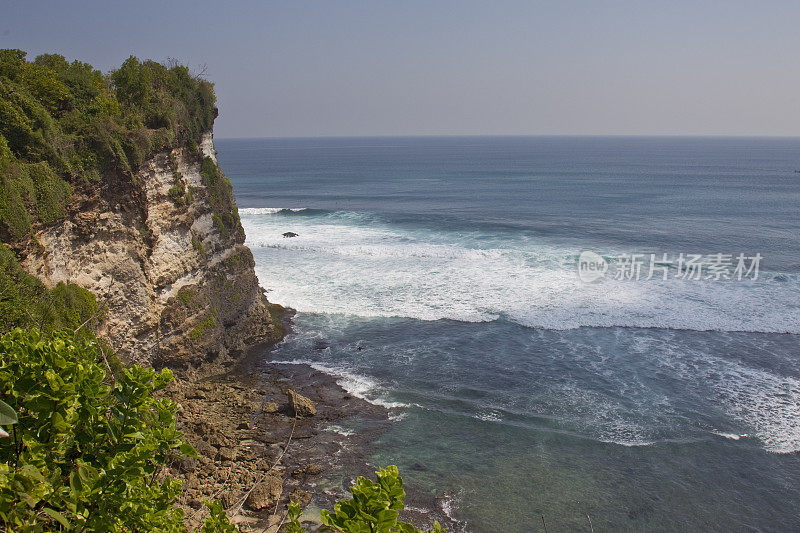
(256,453)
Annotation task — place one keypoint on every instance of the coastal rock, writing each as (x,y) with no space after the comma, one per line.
(308,470)
(227,454)
(174,277)
(270,407)
(300,405)
(300,497)
(265,494)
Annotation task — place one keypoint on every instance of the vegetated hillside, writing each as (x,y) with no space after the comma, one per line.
(110,182)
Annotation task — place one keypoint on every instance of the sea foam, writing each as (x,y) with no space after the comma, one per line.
(348,263)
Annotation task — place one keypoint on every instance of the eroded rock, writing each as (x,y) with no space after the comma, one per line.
(300,405)
(265,494)
(300,497)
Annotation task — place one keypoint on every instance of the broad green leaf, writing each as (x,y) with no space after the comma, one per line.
(7,415)
(55,515)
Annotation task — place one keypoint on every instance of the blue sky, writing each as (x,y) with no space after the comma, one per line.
(455,67)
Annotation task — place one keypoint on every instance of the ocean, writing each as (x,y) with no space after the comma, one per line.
(439,277)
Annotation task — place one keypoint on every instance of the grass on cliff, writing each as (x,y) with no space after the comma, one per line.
(26,302)
(61,122)
(220,197)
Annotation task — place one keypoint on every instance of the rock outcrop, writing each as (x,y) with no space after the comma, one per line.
(164,253)
(299,405)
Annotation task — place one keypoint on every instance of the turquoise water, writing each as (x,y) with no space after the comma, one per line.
(437,277)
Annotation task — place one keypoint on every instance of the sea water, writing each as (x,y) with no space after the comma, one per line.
(437,277)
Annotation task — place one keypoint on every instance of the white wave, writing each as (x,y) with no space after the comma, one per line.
(344,265)
(768,403)
(489,416)
(763,404)
(269,210)
(340,265)
(730,436)
(356,385)
(339,430)
(449,504)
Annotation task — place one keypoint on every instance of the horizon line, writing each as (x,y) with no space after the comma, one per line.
(515,135)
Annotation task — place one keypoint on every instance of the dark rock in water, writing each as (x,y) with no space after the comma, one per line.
(300,497)
(321,345)
(308,470)
(289,234)
(300,405)
(419,467)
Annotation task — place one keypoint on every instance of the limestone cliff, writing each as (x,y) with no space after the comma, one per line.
(164,253)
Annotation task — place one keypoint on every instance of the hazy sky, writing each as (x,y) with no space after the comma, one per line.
(407,67)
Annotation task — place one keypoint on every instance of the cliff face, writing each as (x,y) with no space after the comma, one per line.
(164,253)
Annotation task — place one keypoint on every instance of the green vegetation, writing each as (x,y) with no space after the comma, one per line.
(202,328)
(89,445)
(177,191)
(26,302)
(62,123)
(186,295)
(87,449)
(84,443)
(276,314)
(220,197)
(197,245)
(374,508)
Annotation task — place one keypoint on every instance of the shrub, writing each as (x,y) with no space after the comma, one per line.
(374,508)
(88,448)
(186,295)
(26,302)
(61,122)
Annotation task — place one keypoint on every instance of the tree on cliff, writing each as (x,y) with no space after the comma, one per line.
(64,123)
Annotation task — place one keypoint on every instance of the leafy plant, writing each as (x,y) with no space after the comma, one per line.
(217,521)
(8,417)
(63,122)
(91,447)
(26,302)
(374,507)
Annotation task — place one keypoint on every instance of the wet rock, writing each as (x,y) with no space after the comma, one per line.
(265,494)
(308,470)
(300,497)
(313,470)
(300,405)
